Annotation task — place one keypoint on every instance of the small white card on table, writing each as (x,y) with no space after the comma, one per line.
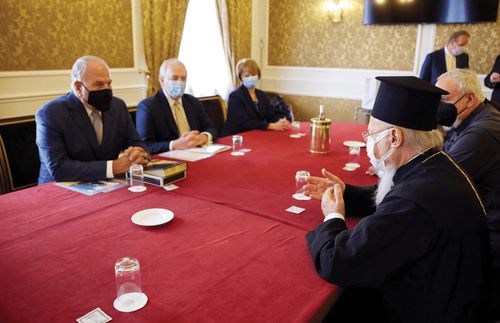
(95,316)
(295,209)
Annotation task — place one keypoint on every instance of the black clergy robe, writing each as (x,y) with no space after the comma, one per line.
(425,247)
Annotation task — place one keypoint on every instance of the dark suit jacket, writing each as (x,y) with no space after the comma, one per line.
(435,65)
(156,124)
(67,142)
(495,97)
(242,115)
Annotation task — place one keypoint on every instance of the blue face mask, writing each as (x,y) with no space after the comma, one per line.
(250,81)
(175,88)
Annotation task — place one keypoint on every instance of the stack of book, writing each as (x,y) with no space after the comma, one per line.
(163,172)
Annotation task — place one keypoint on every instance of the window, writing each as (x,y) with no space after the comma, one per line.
(202,51)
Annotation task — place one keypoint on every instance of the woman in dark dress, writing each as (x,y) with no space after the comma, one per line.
(248,107)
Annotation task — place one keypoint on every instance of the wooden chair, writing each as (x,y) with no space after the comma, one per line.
(216,110)
(19,160)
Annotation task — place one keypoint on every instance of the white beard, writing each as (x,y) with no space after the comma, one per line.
(385,184)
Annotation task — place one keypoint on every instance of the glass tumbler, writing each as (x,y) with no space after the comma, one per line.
(129,295)
(354,157)
(136,178)
(237,145)
(301,180)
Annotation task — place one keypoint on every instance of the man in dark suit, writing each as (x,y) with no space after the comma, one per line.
(422,246)
(473,141)
(80,135)
(492,80)
(448,58)
(170,119)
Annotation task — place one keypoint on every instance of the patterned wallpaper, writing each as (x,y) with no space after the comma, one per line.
(483,47)
(301,35)
(51,35)
(240,22)
(306,107)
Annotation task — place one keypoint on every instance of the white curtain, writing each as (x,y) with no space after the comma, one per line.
(202,51)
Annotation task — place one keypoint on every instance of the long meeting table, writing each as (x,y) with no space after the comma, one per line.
(231,254)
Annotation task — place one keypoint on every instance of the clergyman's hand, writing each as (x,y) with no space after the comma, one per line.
(333,201)
(316,186)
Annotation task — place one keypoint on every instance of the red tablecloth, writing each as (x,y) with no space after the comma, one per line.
(231,254)
(263,181)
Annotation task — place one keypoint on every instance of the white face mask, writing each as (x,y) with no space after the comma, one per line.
(457,51)
(370,151)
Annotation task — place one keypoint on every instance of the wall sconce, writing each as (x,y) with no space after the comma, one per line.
(334,10)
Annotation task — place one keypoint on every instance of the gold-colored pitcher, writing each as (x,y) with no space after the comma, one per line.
(320,135)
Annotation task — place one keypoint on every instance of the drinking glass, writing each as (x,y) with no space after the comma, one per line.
(129,295)
(354,157)
(237,145)
(301,180)
(136,178)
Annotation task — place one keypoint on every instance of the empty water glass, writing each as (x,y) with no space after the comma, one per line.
(237,145)
(136,178)
(354,157)
(301,180)
(129,295)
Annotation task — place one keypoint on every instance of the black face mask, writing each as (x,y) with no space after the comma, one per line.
(100,99)
(446,114)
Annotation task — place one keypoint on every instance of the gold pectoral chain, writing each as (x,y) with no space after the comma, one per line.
(463,173)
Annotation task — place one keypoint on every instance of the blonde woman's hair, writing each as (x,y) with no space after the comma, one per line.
(247,63)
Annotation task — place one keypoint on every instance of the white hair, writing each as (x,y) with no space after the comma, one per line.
(466,81)
(419,140)
(80,66)
(164,66)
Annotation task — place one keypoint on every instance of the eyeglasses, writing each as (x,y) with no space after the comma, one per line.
(365,134)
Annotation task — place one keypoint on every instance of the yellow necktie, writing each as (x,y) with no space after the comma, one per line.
(97,123)
(451,62)
(180,118)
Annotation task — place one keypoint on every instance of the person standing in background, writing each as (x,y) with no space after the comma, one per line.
(491,80)
(448,58)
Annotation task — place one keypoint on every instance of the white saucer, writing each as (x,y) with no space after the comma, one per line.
(137,302)
(301,197)
(137,189)
(354,143)
(152,217)
(237,153)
